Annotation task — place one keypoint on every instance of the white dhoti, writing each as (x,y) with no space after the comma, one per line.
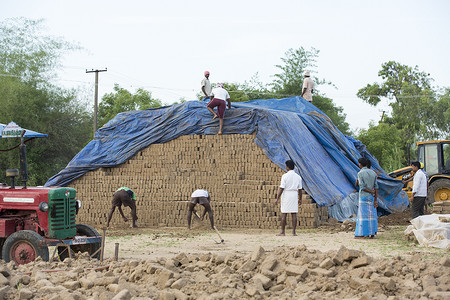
(289,201)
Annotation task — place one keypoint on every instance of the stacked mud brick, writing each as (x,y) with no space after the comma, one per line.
(310,215)
(241,179)
(441,207)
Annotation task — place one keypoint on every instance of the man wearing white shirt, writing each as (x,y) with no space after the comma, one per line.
(203,198)
(419,191)
(290,192)
(308,88)
(206,85)
(219,97)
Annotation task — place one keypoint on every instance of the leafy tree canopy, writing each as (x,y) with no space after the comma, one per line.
(27,52)
(412,99)
(419,112)
(288,83)
(28,58)
(123,100)
(384,141)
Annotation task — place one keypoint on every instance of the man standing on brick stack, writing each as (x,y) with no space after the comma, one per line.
(219,97)
(290,192)
(126,197)
(201,197)
(206,85)
(308,87)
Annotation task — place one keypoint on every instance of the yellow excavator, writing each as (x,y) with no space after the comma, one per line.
(435,156)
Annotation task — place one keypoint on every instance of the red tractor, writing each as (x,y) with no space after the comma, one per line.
(34,218)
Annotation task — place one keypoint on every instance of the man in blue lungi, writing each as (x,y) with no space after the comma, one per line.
(367,223)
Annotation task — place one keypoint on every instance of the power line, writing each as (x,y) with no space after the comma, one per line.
(147,86)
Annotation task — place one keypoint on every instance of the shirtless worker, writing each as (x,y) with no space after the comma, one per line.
(203,198)
(126,197)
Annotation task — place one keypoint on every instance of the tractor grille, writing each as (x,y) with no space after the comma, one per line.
(62,212)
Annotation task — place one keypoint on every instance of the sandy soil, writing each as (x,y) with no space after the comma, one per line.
(150,243)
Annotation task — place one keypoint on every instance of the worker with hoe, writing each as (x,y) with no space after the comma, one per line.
(203,198)
(219,97)
(290,192)
(366,222)
(126,197)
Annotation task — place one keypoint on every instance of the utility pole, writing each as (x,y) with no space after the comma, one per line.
(382,117)
(96,95)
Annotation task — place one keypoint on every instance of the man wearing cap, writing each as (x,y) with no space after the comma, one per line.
(126,197)
(220,97)
(206,85)
(308,87)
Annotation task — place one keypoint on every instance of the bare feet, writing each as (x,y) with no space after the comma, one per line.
(215,117)
(281,234)
(219,133)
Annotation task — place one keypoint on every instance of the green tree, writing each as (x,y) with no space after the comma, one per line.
(289,83)
(123,100)
(418,111)
(28,53)
(441,111)
(384,141)
(411,98)
(28,58)
(249,90)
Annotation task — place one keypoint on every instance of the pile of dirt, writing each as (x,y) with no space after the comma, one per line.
(285,273)
(332,225)
(396,219)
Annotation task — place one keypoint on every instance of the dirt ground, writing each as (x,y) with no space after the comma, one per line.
(165,242)
(177,264)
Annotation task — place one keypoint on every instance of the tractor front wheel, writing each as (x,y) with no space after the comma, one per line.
(439,190)
(82,230)
(23,247)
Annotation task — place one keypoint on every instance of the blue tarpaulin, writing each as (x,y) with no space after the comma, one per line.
(289,128)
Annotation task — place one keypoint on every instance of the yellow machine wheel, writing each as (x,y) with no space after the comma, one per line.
(439,190)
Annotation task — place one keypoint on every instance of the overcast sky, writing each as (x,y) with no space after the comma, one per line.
(164,46)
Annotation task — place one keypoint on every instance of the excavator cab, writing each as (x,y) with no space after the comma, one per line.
(435,156)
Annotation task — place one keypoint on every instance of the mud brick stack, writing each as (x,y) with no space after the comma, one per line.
(241,179)
(310,215)
(441,207)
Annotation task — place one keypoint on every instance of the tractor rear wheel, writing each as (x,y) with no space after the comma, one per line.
(82,230)
(439,190)
(24,246)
